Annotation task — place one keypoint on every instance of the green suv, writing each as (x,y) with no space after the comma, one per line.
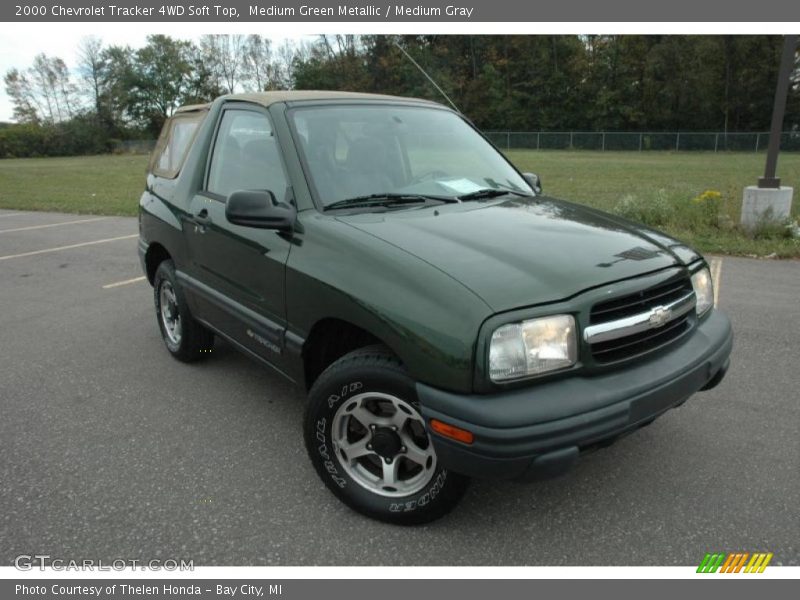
(447,319)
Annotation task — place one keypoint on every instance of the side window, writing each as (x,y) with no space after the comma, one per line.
(245,156)
(174,142)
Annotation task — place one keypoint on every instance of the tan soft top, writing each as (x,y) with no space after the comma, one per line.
(268,98)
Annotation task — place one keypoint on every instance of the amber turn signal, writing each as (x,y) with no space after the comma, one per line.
(452,432)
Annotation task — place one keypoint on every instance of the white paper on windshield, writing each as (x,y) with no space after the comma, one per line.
(462,186)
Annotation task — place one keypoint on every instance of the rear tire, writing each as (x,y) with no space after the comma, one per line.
(186,339)
(369,444)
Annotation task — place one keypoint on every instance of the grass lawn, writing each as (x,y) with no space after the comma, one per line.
(103,185)
(111,185)
(602,179)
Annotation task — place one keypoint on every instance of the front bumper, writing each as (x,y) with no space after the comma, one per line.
(539,431)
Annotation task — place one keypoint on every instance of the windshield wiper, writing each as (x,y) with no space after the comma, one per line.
(492,193)
(386,199)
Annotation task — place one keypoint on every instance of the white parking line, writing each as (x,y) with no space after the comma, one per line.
(46,250)
(28,228)
(108,286)
(716,277)
(10,215)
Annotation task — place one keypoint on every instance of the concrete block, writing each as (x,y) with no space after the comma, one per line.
(765,205)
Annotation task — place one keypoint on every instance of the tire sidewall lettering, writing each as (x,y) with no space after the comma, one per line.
(424,499)
(324,444)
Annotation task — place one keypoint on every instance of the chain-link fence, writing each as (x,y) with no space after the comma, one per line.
(594,140)
(641,141)
(132,146)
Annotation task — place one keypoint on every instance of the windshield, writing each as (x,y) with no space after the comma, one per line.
(359,151)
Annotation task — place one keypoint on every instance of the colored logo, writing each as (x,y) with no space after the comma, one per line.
(735,562)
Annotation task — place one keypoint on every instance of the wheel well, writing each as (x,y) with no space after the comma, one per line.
(156,254)
(329,340)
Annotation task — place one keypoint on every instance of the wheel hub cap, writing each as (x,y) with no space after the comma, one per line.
(170,315)
(382,443)
(386,443)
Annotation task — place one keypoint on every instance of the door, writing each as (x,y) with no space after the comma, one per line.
(237,277)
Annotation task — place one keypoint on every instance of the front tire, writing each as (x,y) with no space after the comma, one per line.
(186,339)
(368,441)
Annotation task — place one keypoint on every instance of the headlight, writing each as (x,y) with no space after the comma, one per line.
(532,347)
(704,290)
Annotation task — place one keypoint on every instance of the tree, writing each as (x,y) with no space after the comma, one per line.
(257,62)
(288,57)
(224,56)
(27,108)
(334,63)
(160,78)
(524,83)
(92,67)
(203,85)
(44,92)
(119,79)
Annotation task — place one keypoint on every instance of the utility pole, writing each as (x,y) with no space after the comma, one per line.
(769,201)
(770,180)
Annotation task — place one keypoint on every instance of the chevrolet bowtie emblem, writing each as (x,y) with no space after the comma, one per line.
(659,316)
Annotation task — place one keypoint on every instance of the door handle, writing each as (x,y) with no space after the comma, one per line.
(201,221)
(202,217)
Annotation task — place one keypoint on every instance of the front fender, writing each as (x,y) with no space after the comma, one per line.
(427,318)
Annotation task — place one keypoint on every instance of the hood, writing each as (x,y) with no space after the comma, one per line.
(520,252)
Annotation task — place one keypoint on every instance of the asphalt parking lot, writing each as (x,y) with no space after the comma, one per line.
(111,449)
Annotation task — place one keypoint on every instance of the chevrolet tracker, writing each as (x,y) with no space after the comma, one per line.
(447,319)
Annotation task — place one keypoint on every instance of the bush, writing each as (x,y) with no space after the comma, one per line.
(656,211)
(676,210)
(770,229)
(80,135)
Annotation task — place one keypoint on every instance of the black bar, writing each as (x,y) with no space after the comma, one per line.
(734,587)
(769,180)
(335,11)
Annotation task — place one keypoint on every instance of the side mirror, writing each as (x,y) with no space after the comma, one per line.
(258,208)
(534,181)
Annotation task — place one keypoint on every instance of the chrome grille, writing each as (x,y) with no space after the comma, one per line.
(629,326)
